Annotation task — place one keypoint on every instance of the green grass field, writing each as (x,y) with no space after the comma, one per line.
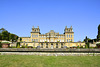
(49,61)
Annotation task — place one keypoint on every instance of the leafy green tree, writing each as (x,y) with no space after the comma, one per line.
(13,37)
(98,36)
(2,29)
(5,35)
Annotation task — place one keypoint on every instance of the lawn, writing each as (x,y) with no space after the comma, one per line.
(49,61)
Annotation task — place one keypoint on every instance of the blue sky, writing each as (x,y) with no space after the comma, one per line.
(18,16)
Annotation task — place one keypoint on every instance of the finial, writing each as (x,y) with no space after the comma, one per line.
(33,26)
(66,27)
(71,27)
(38,26)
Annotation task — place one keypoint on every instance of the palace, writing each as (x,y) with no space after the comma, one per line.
(51,39)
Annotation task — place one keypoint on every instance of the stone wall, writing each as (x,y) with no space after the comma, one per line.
(49,50)
(49,54)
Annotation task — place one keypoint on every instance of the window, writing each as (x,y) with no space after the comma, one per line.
(51,40)
(61,45)
(48,40)
(36,40)
(43,40)
(71,39)
(32,39)
(46,45)
(56,45)
(71,35)
(32,35)
(67,36)
(67,40)
(55,40)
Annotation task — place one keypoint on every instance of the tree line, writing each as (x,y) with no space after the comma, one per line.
(5,35)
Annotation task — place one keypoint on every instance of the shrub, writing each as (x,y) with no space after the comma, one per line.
(5,42)
(81,47)
(78,46)
(18,44)
(12,47)
(45,41)
(58,41)
(23,46)
(86,46)
(26,46)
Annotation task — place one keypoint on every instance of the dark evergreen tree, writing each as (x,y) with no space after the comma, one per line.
(98,36)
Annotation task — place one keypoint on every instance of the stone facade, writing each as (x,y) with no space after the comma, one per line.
(51,39)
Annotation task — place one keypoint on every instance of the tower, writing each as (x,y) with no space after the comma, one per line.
(69,34)
(35,34)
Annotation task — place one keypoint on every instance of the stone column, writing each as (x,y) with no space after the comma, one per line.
(59,45)
(44,45)
(54,45)
(49,45)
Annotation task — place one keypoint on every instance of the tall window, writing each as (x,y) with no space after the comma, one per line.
(71,39)
(56,45)
(61,45)
(32,35)
(40,40)
(51,40)
(32,39)
(43,40)
(67,40)
(71,35)
(67,36)
(48,40)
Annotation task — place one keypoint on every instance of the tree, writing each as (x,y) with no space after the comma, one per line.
(0,36)
(2,29)
(5,35)
(20,39)
(13,37)
(86,39)
(98,36)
